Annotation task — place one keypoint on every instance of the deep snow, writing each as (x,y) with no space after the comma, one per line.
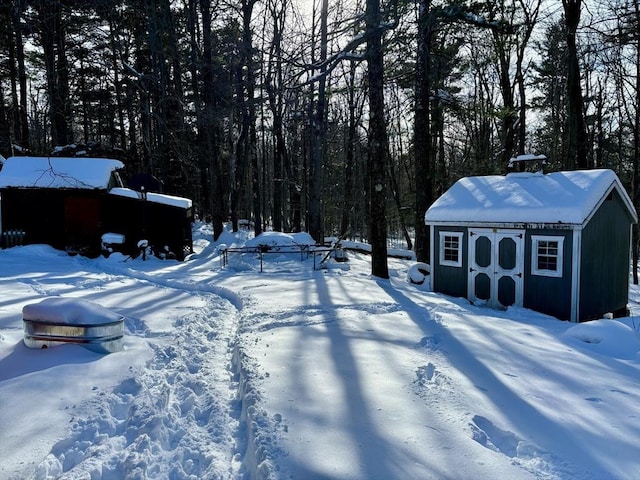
(294,373)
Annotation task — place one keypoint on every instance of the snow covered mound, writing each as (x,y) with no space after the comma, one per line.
(70,311)
(58,321)
(279,239)
(418,272)
(607,337)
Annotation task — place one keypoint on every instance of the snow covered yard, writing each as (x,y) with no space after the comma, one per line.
(295,373)
(159,409)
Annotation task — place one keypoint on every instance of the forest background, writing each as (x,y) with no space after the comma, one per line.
(340,117)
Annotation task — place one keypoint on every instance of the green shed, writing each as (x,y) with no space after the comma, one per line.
(558,243)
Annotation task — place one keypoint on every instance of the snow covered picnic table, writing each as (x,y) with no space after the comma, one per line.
(303,251)
(301,245)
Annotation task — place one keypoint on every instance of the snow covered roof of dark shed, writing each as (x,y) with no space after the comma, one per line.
(58,172)
(559,197)
(171,200)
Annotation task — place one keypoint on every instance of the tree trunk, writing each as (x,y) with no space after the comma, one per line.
(422,132)
(170,108)
(115,55)
(319,134)
(53,45)
(577,141)
(253,159)
(348,195)
(209,143)
(531,12)
(21,123)
(522,113)
(509,115)
(378,148)
(273,85)
(245,146)
(5,135)
(396,198)
(636,145)
(64,115)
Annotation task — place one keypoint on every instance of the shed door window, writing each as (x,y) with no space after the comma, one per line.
(451,249)
(547,253)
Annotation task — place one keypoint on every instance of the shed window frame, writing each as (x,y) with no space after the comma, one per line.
(544,250)
(451,249)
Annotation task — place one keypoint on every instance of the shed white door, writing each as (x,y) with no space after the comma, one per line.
(496,267)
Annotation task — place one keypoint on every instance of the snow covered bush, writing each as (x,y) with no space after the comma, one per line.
(418,273)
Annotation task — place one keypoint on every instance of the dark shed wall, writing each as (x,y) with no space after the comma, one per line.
(604,274)
(450,280)
(171,227)
(550,295)
(75,219)
(39,215)
(158,223)
(57,217)
(123,215)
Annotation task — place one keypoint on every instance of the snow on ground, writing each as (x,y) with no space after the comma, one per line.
(160,409)
(294,373)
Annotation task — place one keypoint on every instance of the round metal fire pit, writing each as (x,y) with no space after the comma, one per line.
(58,321)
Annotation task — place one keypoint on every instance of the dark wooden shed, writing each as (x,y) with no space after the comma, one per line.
(68,203)
(55,200)
(163,220)
(558,243)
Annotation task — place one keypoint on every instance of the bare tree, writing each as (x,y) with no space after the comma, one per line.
(245,90)
(208,125)
(318,134)
(511,32)
(273,84)
(636,138)
(633,29)
(21,129)
(51,27)
(577,141)
(423,155)
(378,153)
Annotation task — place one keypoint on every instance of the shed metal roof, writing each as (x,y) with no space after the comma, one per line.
(553,198)
(57,172)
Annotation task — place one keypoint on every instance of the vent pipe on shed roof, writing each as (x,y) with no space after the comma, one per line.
(527,163)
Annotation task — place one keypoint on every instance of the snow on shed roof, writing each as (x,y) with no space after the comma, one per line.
(57,172)
(559,197)
(179,202)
